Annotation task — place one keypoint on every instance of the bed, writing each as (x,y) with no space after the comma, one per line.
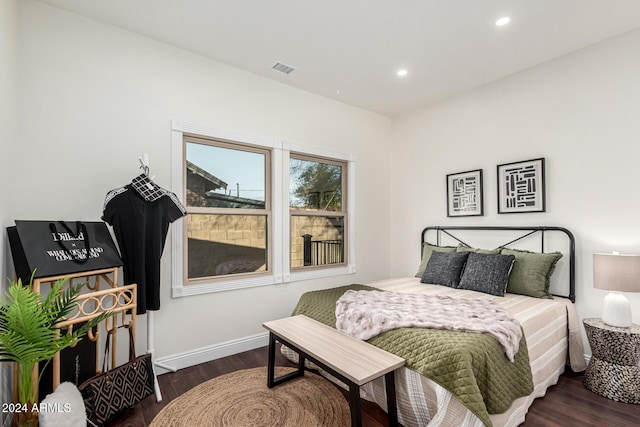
(543,308)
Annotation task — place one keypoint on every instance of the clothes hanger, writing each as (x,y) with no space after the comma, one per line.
(144,185)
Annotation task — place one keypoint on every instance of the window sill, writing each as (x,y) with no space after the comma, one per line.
(230,285)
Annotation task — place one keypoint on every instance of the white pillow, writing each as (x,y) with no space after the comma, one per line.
(63,408)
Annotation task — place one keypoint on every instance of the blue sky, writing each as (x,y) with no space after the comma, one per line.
(233,167)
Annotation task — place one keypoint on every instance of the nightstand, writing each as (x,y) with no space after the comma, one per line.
(614,368)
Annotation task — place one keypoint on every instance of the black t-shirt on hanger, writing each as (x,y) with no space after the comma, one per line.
(141,227)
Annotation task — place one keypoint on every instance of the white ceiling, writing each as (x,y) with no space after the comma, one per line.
(356,46)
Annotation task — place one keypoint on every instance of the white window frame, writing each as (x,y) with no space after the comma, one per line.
(328,270)
(279,241)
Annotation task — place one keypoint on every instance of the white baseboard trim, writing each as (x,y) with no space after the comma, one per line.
(212,352)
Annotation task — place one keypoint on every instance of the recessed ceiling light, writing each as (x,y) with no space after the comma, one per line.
(402,72)
(503,21)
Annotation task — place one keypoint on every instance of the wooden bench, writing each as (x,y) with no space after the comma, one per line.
(351,360)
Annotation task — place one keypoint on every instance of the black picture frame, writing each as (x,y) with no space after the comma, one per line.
(464,194)
(521,186)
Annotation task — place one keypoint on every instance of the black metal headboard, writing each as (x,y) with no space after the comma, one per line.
(526,232)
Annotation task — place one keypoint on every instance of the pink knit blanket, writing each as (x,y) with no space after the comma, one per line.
(365,314)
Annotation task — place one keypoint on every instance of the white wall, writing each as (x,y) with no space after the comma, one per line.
(581,112)
(7,129)
(94,98)
(7,153)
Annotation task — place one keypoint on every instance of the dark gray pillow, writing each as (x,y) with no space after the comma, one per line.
(488,273)
(445,268)
(427,250)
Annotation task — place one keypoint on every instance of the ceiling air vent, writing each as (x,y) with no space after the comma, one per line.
(283,68)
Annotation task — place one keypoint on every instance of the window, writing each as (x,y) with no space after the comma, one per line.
(259,211)
(316,188)
(227,202)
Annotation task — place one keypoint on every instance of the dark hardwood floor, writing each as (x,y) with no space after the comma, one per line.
(566,404)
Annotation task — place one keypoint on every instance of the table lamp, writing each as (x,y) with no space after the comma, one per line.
(616,273)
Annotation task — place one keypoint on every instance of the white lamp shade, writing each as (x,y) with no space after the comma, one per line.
(616,272)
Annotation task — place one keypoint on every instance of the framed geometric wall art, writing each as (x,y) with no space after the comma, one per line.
(464,194)
(521,187)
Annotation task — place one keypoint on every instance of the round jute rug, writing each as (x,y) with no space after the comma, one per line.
(242,399)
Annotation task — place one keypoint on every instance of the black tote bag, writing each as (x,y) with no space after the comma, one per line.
(56,248)
(113,391)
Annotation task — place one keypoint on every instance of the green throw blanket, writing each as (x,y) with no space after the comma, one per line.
(471,366)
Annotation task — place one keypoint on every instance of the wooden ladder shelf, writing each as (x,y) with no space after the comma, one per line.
(120,300)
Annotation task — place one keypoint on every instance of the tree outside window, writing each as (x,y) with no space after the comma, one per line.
(317,214)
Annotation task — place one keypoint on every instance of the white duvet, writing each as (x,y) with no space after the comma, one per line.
(365,314)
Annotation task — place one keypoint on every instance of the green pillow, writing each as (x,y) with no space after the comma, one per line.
(463,248)
(531,272)
(427,249)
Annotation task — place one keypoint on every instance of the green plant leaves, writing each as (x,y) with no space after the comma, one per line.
(28,333)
